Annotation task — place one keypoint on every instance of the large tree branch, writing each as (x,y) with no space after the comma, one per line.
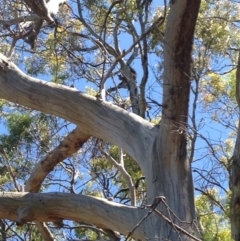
(27,207)
(70,144)
(41,9)
(21,19)
(98,118)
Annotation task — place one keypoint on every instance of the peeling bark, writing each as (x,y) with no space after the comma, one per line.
(71,144)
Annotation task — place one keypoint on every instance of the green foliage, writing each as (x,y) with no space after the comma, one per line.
(30,231)
(216,86)
(157,35)
(86,233)
(213,28)
(26,129)
(102,167)
(214,222)
(18,126)
(130,165)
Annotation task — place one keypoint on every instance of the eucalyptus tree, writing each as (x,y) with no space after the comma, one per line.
(103,43)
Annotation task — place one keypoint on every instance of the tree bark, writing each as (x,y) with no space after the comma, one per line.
(160,152)
(171,174)
(235,172)
(48,207)
(235,188)
(41,9)
(71,144)
(95,117)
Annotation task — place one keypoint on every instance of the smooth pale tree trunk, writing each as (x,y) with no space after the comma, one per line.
(171,174)
(160,152)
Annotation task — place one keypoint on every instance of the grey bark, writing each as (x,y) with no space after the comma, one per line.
(47,207)
(160,152)
(171,169)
